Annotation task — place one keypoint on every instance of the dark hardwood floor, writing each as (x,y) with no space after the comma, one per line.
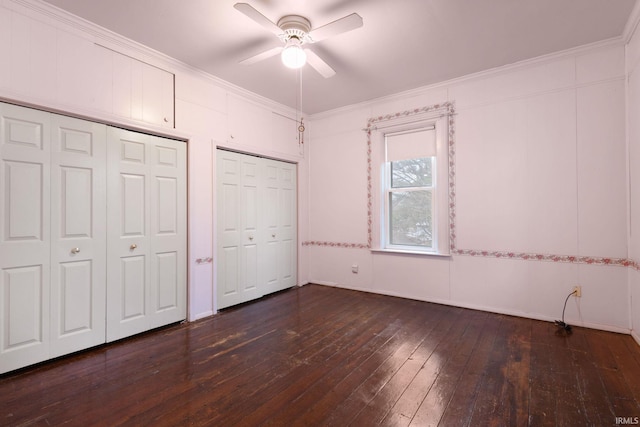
(323,356)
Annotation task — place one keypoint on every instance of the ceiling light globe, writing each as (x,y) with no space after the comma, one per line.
(293,56)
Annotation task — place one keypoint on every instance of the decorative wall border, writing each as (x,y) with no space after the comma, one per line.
(573,259)
(448,108)
(337,244)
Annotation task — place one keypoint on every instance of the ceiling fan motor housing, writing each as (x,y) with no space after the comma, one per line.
(294,31)
(295,26)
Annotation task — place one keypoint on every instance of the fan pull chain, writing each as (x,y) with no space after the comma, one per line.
(301,125)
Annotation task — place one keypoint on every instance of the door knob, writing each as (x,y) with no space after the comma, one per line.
(132,247)
(75,250)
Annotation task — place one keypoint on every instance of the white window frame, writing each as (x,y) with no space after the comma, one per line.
(381,185)
(389,190)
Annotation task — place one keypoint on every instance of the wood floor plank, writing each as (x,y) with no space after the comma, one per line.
(438,397)
(274,366)
(431,351)
(340,406)
(337,368)
(514,394)
(378,407)
(628,365)
(294,382)
(318,355)
(494,379)
(465,395)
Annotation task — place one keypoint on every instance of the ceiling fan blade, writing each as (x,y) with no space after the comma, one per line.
(259,18)
(261,56)
(342,25)
(319,65)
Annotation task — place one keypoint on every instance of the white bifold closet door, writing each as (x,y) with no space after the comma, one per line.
(278,215)
(78,234)
(256,227)
(92,234)
(25,241)
(146,217)
(53,240)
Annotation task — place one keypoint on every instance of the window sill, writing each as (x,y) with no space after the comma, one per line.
(408,252)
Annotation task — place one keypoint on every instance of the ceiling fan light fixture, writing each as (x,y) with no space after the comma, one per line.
(293,56)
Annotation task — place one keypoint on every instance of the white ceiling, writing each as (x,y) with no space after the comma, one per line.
(404,44)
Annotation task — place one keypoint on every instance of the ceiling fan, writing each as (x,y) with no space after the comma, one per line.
(295,31)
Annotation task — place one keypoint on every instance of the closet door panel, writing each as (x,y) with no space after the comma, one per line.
(24,236)
(288,225)
(133,290)
(250,237)
(133,196)
(270,266)
(24,182)
(76,200)
(75,298)
(168,281)
(249,262)
(128,279)
(78,235)
(228,265)
(23,289)
(168,231)
(228,167)
(256,227)
(167,212)
(270,203)
(147,247)
(249,202)
(23,196)
(238,222)
(288,264)
(24,296)
(279,269)
(158,96)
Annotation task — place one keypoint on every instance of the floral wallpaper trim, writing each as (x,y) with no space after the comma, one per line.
(448,108)
(336,244)
(622,262)
(522,256)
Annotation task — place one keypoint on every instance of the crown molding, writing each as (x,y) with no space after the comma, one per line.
(632,23)
(114,41)
(491,72)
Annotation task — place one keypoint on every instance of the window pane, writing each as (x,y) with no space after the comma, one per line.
(412,173)
(411,220)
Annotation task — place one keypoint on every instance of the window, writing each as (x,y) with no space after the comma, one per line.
(410,209)
(409,190)
(413,204)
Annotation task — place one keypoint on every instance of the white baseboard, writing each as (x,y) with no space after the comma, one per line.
(534,316)
(635,336)
(332,284)
(201,315)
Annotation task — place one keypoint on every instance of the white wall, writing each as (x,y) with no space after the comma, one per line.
(540,148)
(633,135)
(53,61)
(540,169)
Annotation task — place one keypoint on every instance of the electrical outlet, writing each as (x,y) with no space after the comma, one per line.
(354,268)
(577,291)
